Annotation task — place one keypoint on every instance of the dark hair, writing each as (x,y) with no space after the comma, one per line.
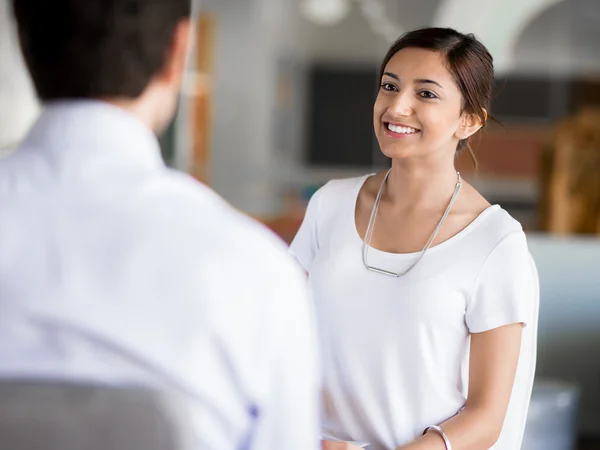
(96,48)
(469,63)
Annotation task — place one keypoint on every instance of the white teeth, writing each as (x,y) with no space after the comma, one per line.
(402,130)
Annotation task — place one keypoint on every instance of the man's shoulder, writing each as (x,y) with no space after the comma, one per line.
(202,216)
(188,197)
(224,253)
(18,168)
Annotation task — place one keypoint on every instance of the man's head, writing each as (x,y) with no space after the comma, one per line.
(129,52)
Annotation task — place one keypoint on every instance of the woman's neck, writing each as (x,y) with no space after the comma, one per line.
(420,184)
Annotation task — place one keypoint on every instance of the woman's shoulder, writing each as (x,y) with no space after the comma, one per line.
(498,222)
(498,232)
(501,223)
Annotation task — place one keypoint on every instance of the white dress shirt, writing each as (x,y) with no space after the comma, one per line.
(116,269)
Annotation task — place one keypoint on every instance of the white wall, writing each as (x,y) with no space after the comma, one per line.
(251,38)
(18,103)
(561,39)
(353,39)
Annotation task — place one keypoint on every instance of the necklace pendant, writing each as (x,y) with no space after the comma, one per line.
(371,227)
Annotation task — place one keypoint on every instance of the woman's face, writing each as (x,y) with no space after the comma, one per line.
(418,108)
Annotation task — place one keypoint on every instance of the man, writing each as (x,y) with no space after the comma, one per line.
(114,268)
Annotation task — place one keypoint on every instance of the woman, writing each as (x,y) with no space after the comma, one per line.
(423,289)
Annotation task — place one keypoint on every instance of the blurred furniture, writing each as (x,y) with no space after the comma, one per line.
(570,176)
(58,416)
(569,320)
(202,97)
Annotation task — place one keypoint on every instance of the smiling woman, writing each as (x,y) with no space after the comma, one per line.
(422,288)
(457,61)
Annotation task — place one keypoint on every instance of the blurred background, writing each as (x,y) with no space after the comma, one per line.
(278,100)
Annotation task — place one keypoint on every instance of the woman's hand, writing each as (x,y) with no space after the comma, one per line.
(331,445)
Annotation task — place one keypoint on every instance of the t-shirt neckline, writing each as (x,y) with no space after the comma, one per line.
(361,181)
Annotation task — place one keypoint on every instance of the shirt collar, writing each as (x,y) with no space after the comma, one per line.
(89,128)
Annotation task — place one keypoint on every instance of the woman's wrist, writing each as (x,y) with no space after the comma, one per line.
(429,441)
(439,431)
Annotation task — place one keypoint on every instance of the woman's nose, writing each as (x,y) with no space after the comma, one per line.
(402,105)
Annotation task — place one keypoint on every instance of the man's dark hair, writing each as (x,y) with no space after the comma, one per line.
(96,48)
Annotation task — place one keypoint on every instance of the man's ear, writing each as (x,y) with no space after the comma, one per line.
(173,70)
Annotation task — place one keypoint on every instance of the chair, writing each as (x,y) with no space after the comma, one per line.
(38,415)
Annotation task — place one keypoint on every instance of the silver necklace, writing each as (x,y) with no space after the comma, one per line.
(371,228)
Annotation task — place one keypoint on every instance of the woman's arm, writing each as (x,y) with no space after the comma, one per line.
(330,445)
(492,369)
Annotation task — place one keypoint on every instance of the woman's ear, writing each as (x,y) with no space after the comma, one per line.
(470,124)
(485,115)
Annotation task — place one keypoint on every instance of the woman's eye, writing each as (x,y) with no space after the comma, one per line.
(388,87)
(427,94)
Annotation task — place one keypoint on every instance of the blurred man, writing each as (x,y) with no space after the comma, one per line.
(114,268)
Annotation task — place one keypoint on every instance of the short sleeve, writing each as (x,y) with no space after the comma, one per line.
(305,245)
(505,290)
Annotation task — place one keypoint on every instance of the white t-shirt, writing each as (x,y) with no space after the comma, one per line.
(396,350)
